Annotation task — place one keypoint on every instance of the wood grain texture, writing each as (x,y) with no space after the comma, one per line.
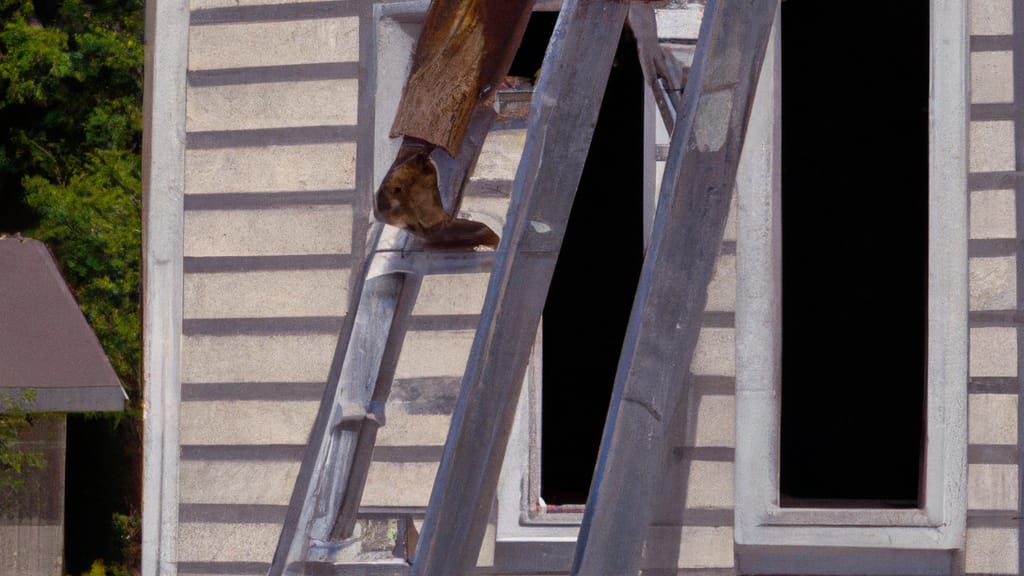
(654,369)
(463,52)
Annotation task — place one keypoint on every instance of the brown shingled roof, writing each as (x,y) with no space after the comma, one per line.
(46,345)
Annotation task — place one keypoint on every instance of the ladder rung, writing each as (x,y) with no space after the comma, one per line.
(423,263)
(325,501)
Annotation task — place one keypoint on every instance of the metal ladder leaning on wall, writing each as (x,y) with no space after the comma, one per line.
(707,123)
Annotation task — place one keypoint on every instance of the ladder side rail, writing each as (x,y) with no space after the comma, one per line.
(294,532)
(454,178)
(654,368)
(564,112)
(342,436)
(352,416)
(665,86)
(337,448)
(374,400)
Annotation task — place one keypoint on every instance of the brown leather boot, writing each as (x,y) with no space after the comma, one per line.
(409,198)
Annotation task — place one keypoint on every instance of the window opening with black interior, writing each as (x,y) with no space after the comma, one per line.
(592,290)
(855,250)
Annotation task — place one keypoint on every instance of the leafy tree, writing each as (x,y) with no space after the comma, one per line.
(70,172)
(14,461)
(71,106)
(92,222)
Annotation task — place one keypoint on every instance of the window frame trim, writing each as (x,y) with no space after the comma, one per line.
(940,524)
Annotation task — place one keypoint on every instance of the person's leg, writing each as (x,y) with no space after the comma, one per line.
(464,51)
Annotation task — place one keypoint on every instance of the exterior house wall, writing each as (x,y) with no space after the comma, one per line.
(996,156)
(283,112)
(270,235)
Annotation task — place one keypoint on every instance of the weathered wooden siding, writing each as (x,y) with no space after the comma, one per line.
(32,517)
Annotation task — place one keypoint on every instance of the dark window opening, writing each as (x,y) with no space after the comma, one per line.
(591,294)
(530,54)
(855,249)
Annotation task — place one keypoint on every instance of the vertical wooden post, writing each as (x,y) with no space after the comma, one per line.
(654,368)
(565,110)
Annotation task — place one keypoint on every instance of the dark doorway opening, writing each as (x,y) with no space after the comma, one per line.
(591,294)
(855,250)
(101,485)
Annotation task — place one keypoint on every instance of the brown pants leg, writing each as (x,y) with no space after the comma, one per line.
(464,51)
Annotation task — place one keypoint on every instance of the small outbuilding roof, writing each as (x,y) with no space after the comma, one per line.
(46,345)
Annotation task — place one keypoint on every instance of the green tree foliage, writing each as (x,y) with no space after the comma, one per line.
(14,461)
(92,222)
(70,146)
(70,137)
(98,568)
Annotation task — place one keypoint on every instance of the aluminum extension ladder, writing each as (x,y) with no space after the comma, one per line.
(707,123)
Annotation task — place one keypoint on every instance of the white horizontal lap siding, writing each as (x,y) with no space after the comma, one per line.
(426,384)
(271,169)
(245,44)
(693,528)
(273,105)
(269,240)
(993,471)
